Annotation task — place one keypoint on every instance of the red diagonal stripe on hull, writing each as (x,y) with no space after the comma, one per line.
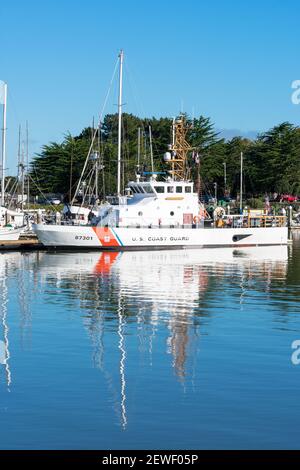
(106,236)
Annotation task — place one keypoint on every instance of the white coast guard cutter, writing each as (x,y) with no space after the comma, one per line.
(161,214)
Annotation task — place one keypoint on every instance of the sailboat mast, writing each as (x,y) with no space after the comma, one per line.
(151,149)
(121,57)
(19,165)
(22,176)
(139,150)
(27,162)
(241,185)
(3,161)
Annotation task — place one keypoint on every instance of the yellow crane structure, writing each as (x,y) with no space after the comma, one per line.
(176,157)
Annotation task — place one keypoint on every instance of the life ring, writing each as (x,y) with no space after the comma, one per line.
(219,212)
(196,219)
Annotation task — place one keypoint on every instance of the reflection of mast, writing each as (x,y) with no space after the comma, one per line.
(5,354)
(122,362)
(178,342)
(24,302)
(96,328)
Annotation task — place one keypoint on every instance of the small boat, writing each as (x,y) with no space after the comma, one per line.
(11,224)
(162,214)
(10,233)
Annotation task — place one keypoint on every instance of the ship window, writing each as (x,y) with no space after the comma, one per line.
(132,188)
(178,189)
(188,189)
(171,213)
(170,189)
(140,213)
(141,189)
(148,189)
(159,189)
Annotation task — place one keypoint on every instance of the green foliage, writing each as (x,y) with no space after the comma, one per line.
(271,162)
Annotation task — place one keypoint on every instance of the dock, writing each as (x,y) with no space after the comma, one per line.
(22,244)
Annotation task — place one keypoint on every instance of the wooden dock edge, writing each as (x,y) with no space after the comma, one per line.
(29,244)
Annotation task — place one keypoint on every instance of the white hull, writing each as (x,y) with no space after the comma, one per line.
(8,234)
(120,238)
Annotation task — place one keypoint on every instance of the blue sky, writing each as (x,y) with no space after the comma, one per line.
(231,60)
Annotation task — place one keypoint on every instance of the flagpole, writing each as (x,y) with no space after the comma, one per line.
(3,163)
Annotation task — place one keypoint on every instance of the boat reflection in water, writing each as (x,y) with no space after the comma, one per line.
(133,294)
(20,266)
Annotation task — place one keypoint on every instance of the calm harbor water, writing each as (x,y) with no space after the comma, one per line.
(179,349)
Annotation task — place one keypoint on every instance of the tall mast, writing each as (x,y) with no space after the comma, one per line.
(27,162)
(139,149)
(241,185)
(19,152)
(121,57)
(22,175)
(19,163)
(151,149)
(3,160)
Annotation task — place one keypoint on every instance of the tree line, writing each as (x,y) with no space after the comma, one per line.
(271,161)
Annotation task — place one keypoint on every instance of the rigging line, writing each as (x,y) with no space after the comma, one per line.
(39,189)
(95,132)
(13,105)
(145,122)
(89,175)
(13,191)
(134,87)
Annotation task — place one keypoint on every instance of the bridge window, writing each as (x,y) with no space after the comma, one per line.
(170,189)
(147,188)
(178,189)
(188,189)
(159,189)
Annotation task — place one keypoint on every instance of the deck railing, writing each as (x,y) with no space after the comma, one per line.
(250,221)
(227,221)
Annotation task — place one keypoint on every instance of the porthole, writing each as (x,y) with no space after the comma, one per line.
(172,213)
(140,213)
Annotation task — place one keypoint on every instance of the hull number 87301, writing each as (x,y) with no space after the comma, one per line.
(83,237)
